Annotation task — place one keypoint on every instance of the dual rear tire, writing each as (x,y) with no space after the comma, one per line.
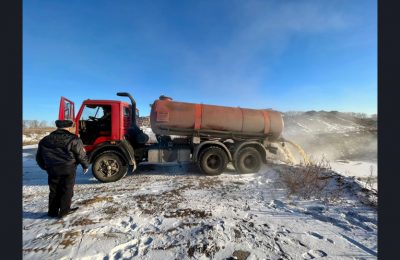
(213,160)
(248,160)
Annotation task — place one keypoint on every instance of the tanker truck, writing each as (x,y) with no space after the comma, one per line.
(208,135)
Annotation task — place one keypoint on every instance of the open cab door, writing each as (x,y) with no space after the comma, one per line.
(67,110)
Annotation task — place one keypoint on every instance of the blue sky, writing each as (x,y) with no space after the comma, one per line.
(286,55)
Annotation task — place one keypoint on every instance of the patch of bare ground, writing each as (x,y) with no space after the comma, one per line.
(95,200)
(368,197)
(209,182)
(110,235)
(167,201)
(69,238)
(83,222)
(148,204)
(238,182)
(121,190)
(28,196)
(208,248)
(101,189)
(176,192)
(179,213)
(203,249)
(111,210)
(240,255)
(40,249)
(237,233)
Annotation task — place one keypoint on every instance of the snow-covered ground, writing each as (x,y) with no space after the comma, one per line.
(366,172)
(175,212)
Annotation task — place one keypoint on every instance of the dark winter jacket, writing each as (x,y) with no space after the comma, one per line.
(61,148)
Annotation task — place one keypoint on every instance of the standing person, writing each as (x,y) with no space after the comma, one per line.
(59,153)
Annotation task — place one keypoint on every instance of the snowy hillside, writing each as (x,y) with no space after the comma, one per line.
(337,135)
(327,122)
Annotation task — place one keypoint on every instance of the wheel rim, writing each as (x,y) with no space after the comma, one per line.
(108,167)
(214,162)
(250,163)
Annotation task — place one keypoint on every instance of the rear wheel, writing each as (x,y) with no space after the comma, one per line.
(213,160)
(248,160)
(109,166)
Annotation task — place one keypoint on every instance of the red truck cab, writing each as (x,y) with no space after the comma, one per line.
(93,125)
(103,126)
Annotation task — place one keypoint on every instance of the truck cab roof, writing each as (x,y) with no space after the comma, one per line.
(103,102)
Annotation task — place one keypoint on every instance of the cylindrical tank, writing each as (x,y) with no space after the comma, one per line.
(168,117)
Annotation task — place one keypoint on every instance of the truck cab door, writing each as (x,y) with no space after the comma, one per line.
(67,110)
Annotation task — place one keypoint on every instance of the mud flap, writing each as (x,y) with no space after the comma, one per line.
(129,153)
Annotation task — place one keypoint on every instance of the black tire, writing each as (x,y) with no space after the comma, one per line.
(109,166)
(248,160)
(213,160)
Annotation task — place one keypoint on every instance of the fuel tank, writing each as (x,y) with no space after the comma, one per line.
(168,117)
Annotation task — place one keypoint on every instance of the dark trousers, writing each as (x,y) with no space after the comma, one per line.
(61,180)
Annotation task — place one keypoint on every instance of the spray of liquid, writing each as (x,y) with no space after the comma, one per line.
(289,156)
(301,151)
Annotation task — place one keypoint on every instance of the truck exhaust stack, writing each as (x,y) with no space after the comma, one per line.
(133,119)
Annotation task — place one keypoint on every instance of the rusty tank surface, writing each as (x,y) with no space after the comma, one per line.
(168,117)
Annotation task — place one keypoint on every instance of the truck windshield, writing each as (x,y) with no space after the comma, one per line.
(92,112)
(95,122)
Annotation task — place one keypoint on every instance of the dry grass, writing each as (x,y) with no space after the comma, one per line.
(83,222)
(179,213)
(164,202)
(43,249)
(29,142)
(95,200)
(38,131)
(209,182)
(111,210)
(369,183)
(307,181)
(69,238)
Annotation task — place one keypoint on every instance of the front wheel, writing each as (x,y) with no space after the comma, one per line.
(248,160)
(213,160)
(109,167)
